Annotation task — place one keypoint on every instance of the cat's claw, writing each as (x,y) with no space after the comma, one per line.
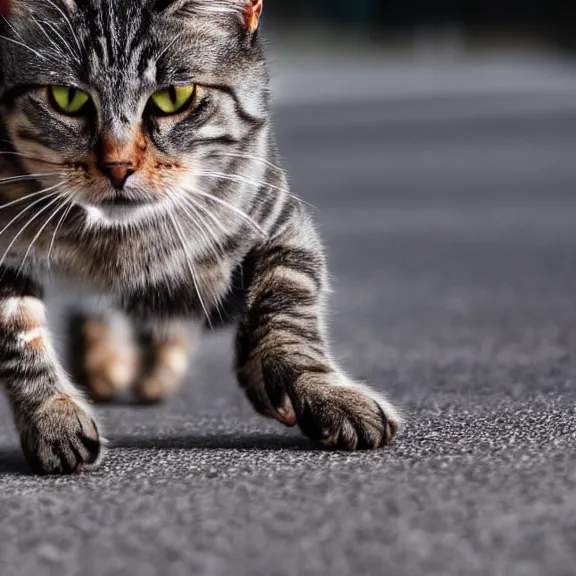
(330,409)
(61,438)
(344,418)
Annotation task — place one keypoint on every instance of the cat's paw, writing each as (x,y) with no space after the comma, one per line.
(104,365)
(165,368)
(60,438)
(344,416)
(156,388)
(328,407)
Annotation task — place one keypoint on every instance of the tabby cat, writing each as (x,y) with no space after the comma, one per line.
(138,161)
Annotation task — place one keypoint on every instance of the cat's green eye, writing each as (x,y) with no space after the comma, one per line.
(174,99)
(68,100)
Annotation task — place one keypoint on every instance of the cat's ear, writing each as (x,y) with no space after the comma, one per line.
(248,10)
(252,14)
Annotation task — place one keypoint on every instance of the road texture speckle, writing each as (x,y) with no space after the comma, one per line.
(452,241)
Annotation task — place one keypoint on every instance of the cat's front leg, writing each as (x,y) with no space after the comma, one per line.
(283,362)
(57,432)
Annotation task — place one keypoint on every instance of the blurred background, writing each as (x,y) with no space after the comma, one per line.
(385,22)
(437,141)
(325,50)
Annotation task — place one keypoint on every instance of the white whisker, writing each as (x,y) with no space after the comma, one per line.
(42,56)
(204,209)
(56,230)
(169,46)
(202,227)
(19,200)
(26,177)
(43,192)
(74,35)
(190,265)
(237,211)
(239,179)
(213,243)
(66,45)
(76,55)
(28,156)
(12,27)
(32,219)
(250,157)
(58,48)
(42,228)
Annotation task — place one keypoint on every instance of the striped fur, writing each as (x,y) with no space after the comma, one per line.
(204,230)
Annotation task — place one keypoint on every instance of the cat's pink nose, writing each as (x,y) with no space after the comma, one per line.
(117,174)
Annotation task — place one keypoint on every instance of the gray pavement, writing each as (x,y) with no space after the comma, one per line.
(451,229)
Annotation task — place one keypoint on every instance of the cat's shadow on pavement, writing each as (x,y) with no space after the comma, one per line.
(257,442)
(12,460)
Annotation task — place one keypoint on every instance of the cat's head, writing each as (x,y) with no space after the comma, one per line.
(126,105)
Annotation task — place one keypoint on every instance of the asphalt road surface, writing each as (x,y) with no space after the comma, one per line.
(451,228)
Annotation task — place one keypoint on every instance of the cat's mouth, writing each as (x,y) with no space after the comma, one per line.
(120,208)
(123,200)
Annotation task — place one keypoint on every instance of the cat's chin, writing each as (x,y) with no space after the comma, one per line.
(121,214)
